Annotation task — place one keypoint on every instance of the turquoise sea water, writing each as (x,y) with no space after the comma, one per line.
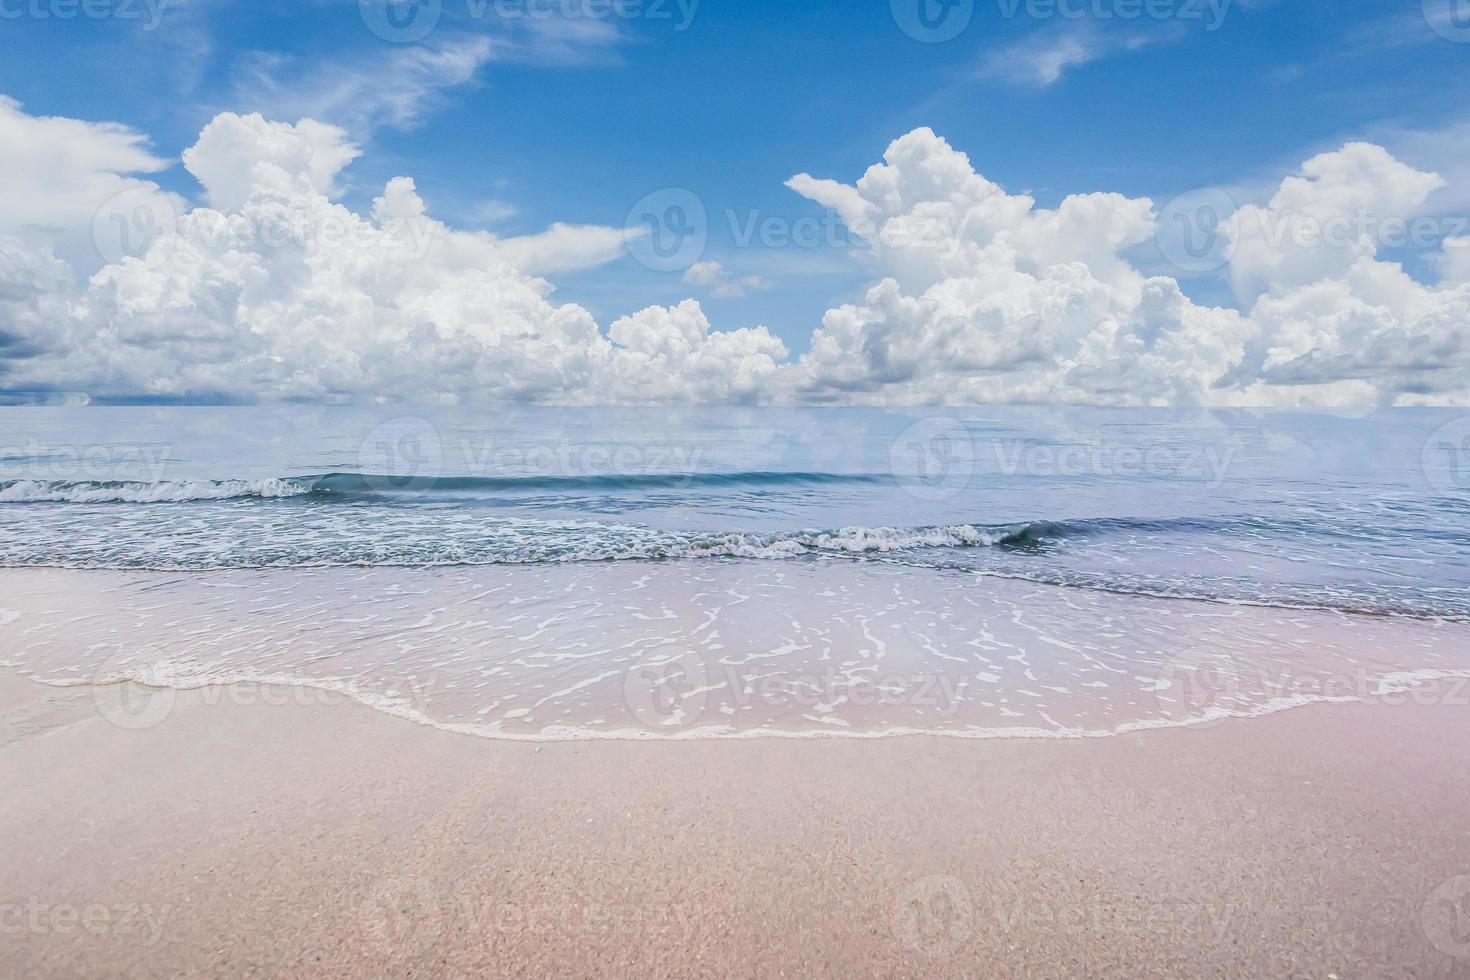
(1365,513)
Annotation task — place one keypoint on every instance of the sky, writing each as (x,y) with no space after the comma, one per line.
(542,130)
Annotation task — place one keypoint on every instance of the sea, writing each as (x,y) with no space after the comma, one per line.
(565,573)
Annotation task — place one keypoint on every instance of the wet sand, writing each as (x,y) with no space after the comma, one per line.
(252,835)
(584,649)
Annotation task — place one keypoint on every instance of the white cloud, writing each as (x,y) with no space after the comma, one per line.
(34,287)
(56,173)
(1453,262)
(557,41)
(1321,222)
(276,290)
(280,292)
(984,297)
(1043,58)
(721,284)
(563,248)
(491,211)
(236,157)
(396,86)
(662,352)
(393,88)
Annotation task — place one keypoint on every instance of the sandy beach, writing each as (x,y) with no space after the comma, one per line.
(661,489)
(251,834)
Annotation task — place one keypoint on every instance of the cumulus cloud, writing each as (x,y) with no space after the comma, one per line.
(658,346)
(985,297)
(56,173)
(34,285)
(1453,262)
(1323,220)
(273,289)
(237,157)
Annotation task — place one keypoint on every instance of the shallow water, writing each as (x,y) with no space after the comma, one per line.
(566,573)
(735,647)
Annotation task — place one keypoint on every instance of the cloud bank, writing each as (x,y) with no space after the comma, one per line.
(275,291)
(984,297)
(270,288)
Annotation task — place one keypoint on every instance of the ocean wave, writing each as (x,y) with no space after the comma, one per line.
(413,537)
(1129,556)
(328,485)
(139,492)
(347,483)
(425,542)
(848,540)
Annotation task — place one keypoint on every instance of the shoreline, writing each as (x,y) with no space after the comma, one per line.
(1372,613)
(735,652)
(1406,682)
(327,840)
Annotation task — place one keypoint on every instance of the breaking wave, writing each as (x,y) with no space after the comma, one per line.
(138,492)
(328,485)
(421,540)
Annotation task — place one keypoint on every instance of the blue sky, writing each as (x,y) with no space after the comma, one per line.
(540,129)
(576,125)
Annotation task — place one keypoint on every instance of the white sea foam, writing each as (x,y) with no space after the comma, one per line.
(850,540)
(1399,681)
(162,492)
(405,709)
(262,537)
(733,649)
